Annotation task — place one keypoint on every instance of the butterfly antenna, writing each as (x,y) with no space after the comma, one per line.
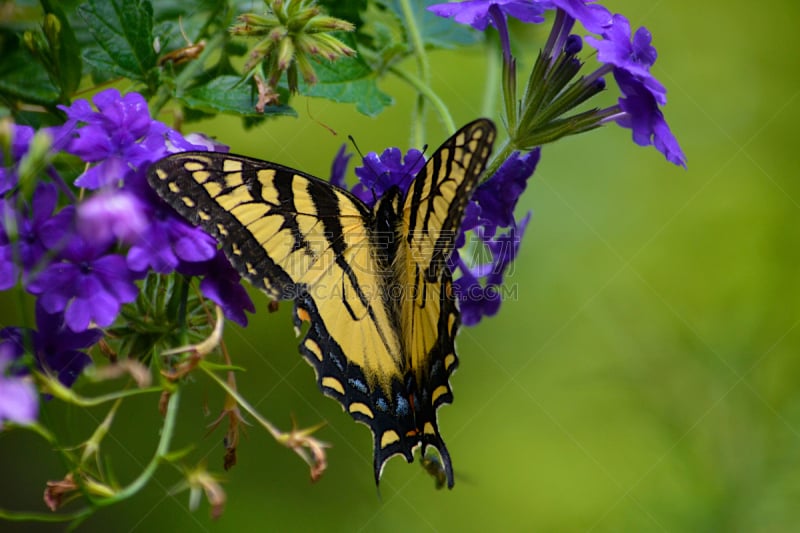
(358,150)
(366,164)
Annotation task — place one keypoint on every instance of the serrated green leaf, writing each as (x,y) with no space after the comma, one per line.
(123,31)
(226,94)
(435,31)
(364,93)
(348,80)
(103,67)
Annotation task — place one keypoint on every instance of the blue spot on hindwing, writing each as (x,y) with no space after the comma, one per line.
(382,405)
(359,385)
(336,361)
(402,406)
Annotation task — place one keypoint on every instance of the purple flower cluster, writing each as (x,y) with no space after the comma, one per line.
(81,260)
(628,58)
(490,209)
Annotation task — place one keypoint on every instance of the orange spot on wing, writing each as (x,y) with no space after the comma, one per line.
(303,315)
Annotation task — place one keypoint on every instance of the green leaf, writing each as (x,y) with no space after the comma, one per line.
(383,37)
(436,32)
(348,80)
(227,94)
(350,11)
(23,78)
(66,52)
(123,32)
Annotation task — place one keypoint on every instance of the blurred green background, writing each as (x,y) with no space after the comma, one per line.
(645,379)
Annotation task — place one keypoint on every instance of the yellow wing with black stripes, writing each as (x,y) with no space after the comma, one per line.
(386,355)
(431,217)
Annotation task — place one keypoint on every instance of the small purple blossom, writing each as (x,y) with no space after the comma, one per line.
(56,348)
(643,116)
(630,60)
(380,173)
(635,57)
(109,215)
(85,282)
(19,402)
(32,225)
(8,269)
(120,137)
(498,196)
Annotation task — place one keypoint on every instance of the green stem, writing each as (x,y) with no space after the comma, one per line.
(492,82)
(428,93)
(161,451)
(275,432)
(422,66)
(497,160)
(30,516)
(79,516)
(54,387)
(90,402)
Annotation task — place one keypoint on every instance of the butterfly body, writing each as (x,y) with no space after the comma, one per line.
(372,283)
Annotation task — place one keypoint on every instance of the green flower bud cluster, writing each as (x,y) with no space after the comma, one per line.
(291,33)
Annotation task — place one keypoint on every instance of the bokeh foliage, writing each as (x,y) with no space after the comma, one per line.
(645,377)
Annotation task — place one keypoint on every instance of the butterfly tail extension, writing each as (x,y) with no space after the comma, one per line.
(386,415)
(444,362)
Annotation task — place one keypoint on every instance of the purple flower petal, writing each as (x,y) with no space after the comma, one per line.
(636,58)
(498,196)
(68,365)
(86,284)
(111,215)
(221,285)
(54,337)
(594,18)
(54,346)
(475,13)
(19,401)
(380,173)
(79,111)
(644,117)
(8,268)
(475,301)
(339,167)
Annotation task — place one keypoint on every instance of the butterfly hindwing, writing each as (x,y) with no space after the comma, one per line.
(432,215)
(381,312)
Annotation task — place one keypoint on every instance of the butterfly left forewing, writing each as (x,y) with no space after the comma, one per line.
(297,237)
